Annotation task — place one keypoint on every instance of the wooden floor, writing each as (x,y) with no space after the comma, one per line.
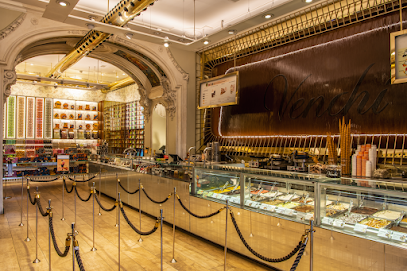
(191,253)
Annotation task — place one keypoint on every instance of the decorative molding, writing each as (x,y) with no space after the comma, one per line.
(12,27)
(34,21)
(18,60)
(117,39)
(185,75)
(145,102)
(170,97)
(9,79)
(78,32)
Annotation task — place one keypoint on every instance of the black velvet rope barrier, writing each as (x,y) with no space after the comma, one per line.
(278,260)
(66,188)
(125,190)
(85,181)
(103,208)
(29,196)
(85,200)
(158,202)
(43,181)
(38,202)
(298,258)
(78,258)
(134,228)
(54,240)
(195,215)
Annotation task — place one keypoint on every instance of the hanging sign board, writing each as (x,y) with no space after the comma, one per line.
(63,163)
(219,91)
(398,57)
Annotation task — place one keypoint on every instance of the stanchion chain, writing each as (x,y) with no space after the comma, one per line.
(157,223)
(66,187)
(29,195)
(157,202)
(125,190)
(44,181)
(304,239)
(78,255)
(54,240)
(101,206)
(195,215)
(85,200)
(300,253)
(38,202)
(85,181)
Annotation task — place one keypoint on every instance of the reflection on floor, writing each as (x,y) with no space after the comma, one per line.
(191,253)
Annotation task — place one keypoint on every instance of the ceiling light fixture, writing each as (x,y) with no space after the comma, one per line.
(63,3)
(166,44)
(31,64)
(231,32)
(307,1)
(90,26)
(206,42)
(129,36)
(268,16)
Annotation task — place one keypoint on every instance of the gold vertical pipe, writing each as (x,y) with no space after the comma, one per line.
(401,15)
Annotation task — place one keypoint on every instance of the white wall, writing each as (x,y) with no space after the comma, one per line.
(159,131)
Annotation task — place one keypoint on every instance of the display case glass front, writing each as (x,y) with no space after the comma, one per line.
(371,209)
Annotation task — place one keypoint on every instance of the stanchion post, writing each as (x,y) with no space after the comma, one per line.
(28,191)
(100,185)
(161,228)
(22,195)
(173,229)
(49,234)
(73,245)
(311,247)
(226,232)
(117,199)
(139,206)
(37,195)
(118,214)
(93,212)
(63,195)
(74,195)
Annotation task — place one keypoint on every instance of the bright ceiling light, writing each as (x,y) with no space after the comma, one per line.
(90,26)
(166,44)
(63,3)
(308,1)
(31,64)
(268,16)
(231,32)
(206,42)
(124,74)
(129,36)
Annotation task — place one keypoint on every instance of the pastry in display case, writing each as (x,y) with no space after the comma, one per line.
(56,116)
(87,117)
(57,105)
(65,106)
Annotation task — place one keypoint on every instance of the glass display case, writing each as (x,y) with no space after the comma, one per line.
(370,209)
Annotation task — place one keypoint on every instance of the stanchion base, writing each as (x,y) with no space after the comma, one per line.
(27,239)
(117,225)
(93,249)
(36,261)
(173,261)
(63,219)
(7,197)
(21,224)
(140,240)
(100,214)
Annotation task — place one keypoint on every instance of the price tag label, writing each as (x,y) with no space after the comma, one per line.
(235,200)
(309,216)
(384,233)
(289,212)
(338,223)
(224,197)
(399,236)
(300,216)
(360,228)
(268,207)
(252,204)
(280,210)
(327,221)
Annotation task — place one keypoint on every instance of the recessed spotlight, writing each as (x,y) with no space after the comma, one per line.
(307,1)
(31,64)
(129,36)
(63,3)
(206,42)
(231,32)
(268,16)
(90,26)
(124,74)
(166,44)
(159,29)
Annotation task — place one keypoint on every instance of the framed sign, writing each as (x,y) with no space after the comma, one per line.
(219,91)
(63,163)
(398,57)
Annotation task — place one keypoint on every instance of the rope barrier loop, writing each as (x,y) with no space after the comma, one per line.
(84,200)
(198,216)
(101,206)
(78,255)
(66,187)
(29,195)
(157,202)
(300,253)
(38,202)
(54,240)
(125,190)
(277,260)
(44,181)
(134,228)
(85,181)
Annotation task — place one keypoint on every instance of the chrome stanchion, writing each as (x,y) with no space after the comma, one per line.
(93,212)
(311,243)
(226,232)
(118,214)
(139,206)
(173,229)
(100,185)
(161,226)
(117,191)
(37,196)
(74,195)
(74,244)
(63,195)
(22,195)
(28,191)
(49,234)
(4,190)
